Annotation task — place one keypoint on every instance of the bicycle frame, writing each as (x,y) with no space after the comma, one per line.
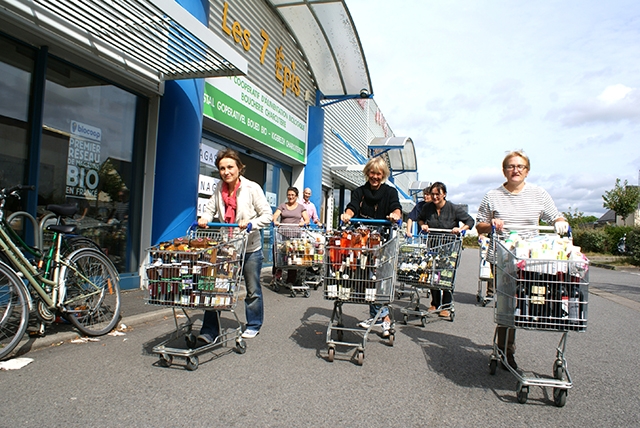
(46,288)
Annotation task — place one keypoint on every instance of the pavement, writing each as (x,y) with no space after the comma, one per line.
(136,311)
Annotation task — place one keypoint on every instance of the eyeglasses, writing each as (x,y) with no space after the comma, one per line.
(518,167)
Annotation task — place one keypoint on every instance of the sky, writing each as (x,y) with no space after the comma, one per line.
(469,81)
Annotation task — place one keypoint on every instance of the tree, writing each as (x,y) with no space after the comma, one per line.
(578,218)
(623,200)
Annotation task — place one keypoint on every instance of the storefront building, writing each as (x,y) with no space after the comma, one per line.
(120,108)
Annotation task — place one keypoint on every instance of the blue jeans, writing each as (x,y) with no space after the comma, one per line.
(254,308)
(374,308)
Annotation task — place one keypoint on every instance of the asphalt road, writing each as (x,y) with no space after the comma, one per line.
(433,375)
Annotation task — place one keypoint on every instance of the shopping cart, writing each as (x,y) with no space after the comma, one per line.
(359,267)
(540,293)
(199,271)
(300,249)
(428,263)
(485,272)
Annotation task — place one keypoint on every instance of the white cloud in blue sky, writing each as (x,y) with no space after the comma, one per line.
(468,81)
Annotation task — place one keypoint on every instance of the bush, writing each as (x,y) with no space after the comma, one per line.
(592,240)
(633,245)
(614,234)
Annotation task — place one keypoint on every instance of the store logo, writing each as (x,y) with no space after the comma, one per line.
(86,131)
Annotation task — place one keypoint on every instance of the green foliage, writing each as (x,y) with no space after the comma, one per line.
(592,240)
(577,218)
(469,241)
(623,199)
(614,233)
(633,245)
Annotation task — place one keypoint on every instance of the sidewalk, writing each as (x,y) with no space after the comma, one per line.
(133,311)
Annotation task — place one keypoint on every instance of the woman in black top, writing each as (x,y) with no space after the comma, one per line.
(442,214)
(375,200)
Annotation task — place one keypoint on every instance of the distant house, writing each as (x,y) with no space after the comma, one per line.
(610,217)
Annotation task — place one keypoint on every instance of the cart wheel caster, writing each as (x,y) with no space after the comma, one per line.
(315,287)
(423,321)
(559,397)
(477,298)
(191,341)
(192,363)
(306,293)
(405,319)
(165,360)
(452,315)
(360,358)
(484,303)
(331,354)
(492,366)
(241,346)
(558,370)
(293,293)
(391,339)
(523,393)
(275,287)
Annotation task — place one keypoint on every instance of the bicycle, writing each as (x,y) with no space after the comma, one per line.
(72,279)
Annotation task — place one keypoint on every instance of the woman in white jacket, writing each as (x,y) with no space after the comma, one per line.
(237,199)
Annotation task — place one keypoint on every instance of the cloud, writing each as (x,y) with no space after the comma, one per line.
(616,103)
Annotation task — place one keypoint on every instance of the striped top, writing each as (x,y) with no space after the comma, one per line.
(525,208)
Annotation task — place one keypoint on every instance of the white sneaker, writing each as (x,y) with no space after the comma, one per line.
(367,323)
(250,334)
(386,326)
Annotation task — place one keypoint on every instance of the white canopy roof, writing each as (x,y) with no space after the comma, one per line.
(328,38)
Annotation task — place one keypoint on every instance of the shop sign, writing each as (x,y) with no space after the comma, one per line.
(239,104)
(83,161)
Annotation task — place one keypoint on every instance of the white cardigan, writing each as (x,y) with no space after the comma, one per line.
(252,205)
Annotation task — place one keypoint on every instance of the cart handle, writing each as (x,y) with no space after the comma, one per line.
(194,225)
(431,229)
(372,221)
(536,227)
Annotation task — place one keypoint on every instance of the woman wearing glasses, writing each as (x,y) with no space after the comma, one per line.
(442,214)
(516,203)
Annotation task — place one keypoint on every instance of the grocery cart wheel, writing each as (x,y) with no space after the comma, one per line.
(391,338)
(523,393)
(423,321)
(405,319)
(558,370)
(452,315)
(293,293)
(191,341)
(192,363)
(275,286)
(360,358)
(241,346)
(332,354)
(492,366)
(306,293)
(559,397)
(165,360)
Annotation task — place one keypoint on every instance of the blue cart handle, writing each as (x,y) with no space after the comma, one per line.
(194,225)
(372,221)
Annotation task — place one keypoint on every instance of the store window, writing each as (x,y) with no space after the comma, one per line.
(87,154)
(16,68)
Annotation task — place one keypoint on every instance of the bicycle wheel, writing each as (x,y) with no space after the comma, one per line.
(90,292)
(14,310)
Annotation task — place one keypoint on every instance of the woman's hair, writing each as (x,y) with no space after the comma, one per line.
(440,186)
(293,189)
(516,153)
(377,164)
(231,154)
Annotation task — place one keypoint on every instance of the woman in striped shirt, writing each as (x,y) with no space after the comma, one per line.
(516,203)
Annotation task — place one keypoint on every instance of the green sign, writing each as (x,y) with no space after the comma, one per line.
(255,115)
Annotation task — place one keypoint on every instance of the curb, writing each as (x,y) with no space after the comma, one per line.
(602,265)
(59,338)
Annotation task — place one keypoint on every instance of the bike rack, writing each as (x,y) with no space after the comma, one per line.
(38,234)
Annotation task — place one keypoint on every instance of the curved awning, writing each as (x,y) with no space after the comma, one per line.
(328,39)
(400,151)
(154,40)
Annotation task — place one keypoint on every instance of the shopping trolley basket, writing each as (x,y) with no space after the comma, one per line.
(300,249)
(541,290)
(429,262)
(199,271)
(359,267)
(485,272)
